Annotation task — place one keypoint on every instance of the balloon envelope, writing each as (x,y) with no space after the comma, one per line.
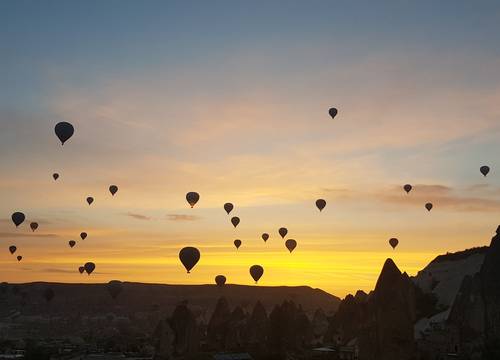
(265,237)
(189,256)
(237,243)
(34,226)
(407,188)
(220,280)
(89,267)
(485,170)
(283,231)
(192,198)
(12,249)
(55,176)
(18,218)
(113,189)
(64,131)
(429,206)
(256,271)
(81,269)
(228,207)
(71,243)
(83,235)
(90,200)
(290,244)
(333,112)
(235,221)
(19,258)
(320,204)
(393,242)
(114,287)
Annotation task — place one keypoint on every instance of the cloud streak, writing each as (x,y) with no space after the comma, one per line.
(137,216)
(182,217)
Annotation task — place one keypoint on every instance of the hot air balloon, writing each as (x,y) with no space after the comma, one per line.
(64,131)
(113,189)
(71,243)
(407,188)
(189,256)
(320,204)
(283,231)
(55,176)
(333,112)
(220,280)
(485,170)
(290,244)
(81,269)
(256,272)
(83,235)
(393,242)
(114,288)
(265,237)
(89,267)
(19,257)
(235,221)
(428,206)
(48,294)
(228,207)
(90,200)
(237,243)
(34,226)
(12,249)
(192,198)
(18,218)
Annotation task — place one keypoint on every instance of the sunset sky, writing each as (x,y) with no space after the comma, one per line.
(230,99)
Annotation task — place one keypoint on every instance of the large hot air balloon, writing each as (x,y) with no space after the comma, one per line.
(89,267)
(192,198)
(19,258)
(220,280)
(265,237)
(256,272)
(228,207)
(18,218)
(113,189)
(290,244)
(485,170)
(393,242)
(81,269)
(64,131)
(429,206)
(407,188)
(34,226)
(71,243)
(237,243)
(83,235)
(55,176)
(235,221)
(48,294)
(12,249)
(283,231)
(333,112)
(320,204)
(114,288)
(90,200)
(189,256)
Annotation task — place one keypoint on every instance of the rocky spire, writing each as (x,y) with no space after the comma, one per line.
(217,329)
(183,324)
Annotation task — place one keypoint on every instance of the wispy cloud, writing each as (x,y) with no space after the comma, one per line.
(182,217)
(27,235)
(137,216)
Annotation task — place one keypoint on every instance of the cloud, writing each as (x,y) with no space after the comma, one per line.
(55,270)
(182,217)
(137,216)
(27,235)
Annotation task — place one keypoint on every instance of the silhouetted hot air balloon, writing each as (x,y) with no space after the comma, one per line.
(81,269)
(48,294)
(19,257)
(89,267)
(113,189)
(283,231)
(237,243)
(189,256)
(256,272)
(71,243)
(429,206)
(18,218)
(83,235)
(220,280)
(407,188)
(320,204)
(55,176)
(90,200)
(228,207)
(64,131)
(12,249)
(34,226)
(192,198)
(333,112)
(290,244)
(393,242)
(235,221)
(485,170)
(114,287)
(265,237)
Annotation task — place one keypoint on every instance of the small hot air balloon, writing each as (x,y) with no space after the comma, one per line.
(12,249)
(114,288)
(81,269)
(220,280)
(283,231)
(83,235)
(64,131)
(192,198)
(34,226)
(113,189)
(333,112)
(485,170)
(19,257)
(429,206)
(237,243)
(189,256)
(407,188)
(256,272)
(265,237)
(55,176)
(89,267)
(235,221)
(228,207)
(290,244)
(320,204)
(71,243)
(90,200)
(393,242)
(48,294)
(18,218)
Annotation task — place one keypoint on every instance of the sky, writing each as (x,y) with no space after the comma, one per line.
(230,99)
